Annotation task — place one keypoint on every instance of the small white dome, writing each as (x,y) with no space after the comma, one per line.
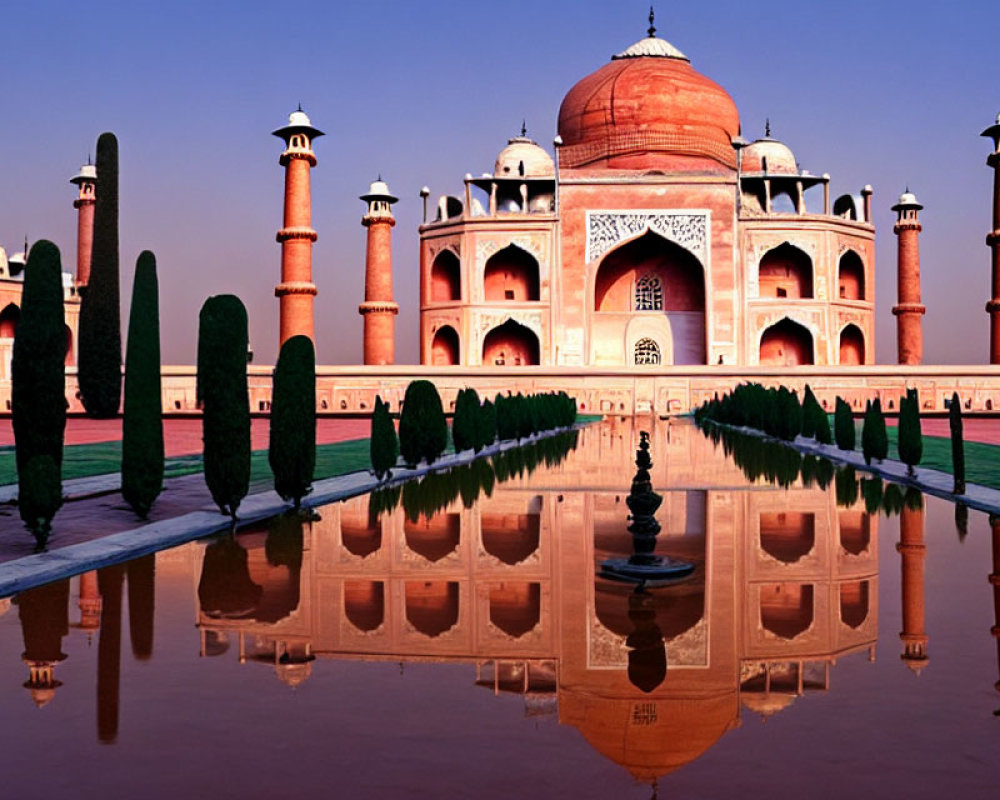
(299,119)
(651,46)
(523,158)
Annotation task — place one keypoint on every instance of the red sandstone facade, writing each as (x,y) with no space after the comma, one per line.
(908,310)
(296,291)
(379,310)
(658,236)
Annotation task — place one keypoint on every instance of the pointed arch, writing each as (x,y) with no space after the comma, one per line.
(851,277)
(364,604)
(786,343)
(787,536)
(510,345)
(446,278)
(786,271)
(9,319)
(432,606)
(786,609)
(515,608)
(854,603)
(852,345)
(445,347)
(511,274)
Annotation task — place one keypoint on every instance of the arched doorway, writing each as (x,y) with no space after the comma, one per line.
(854,603)
(510,345)
(786,609)
(431,606)
(852,345)
(786,271)
(515,608)
(786,344)
(650,277)
(446,280)
(444,347)
(364,604)
(851,277)
(9,318)
(510,275)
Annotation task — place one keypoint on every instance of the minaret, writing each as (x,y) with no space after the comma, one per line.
(86,180)
(296,291)
(911,547)
(908,310)
(90,603)
(379,310)
(993,241)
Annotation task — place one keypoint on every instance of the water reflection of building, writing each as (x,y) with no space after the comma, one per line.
(786,583)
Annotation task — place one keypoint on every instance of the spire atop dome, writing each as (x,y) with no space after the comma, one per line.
(652,28)
(524,129)
(767,128)
(651,45)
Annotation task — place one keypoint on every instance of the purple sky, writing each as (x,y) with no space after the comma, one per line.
(872,92)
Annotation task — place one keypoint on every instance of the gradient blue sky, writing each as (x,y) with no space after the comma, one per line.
(875,92)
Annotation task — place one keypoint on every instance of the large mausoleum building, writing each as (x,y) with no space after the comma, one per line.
(656,236)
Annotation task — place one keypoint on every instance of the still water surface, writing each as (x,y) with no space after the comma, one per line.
(426,643)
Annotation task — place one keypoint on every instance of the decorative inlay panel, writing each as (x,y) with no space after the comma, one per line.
(607,229)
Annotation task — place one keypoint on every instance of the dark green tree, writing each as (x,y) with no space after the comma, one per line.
(100,350)
(384,445)
(843,425)
(463,424)
(222,393)
(808,418)
(874,438)
(292,446)
(423,430)
(957,444)
(486,424)
(38,391)
(910,442)
(142,424)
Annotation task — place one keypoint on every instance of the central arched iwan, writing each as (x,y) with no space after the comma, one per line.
(786,344)
(510,345)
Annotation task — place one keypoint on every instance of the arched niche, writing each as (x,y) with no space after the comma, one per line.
(510,538)
(851,277)
(653,278)
(432,606)
(786,271)
(360,536)
(854,603)
(434,537)
(515,608)
(786,344)
(9,318)
(444,347)
(786,609)
(787,535)
(446,278)
(510,345)
(510,275)
(855,531)
(852,345)
(364,604)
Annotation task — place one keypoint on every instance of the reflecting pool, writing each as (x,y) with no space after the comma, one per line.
(455,639)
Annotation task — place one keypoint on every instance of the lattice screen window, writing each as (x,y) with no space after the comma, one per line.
(647,352)
(649,294)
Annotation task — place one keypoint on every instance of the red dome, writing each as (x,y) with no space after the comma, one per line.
(643,110)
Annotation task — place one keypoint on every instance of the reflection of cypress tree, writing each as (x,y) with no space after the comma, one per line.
(292,447)
(225,589)
(38,393)
(824,472)
(142,424)
(871,490)
(109,582)
(468,484)
(846,481)
(382,501)
(100,350)
(222,391)
(892,499)
(141,604)
(913,499)
(809,463)
(962,520)
(283,548)
(647,652)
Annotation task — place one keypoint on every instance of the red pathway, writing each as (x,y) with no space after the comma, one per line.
(182,435)
(974,429)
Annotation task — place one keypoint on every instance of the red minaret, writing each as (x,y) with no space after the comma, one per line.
(993,240)
(296,291)
(379,310)
(908,310)
(911,547)
(86,179)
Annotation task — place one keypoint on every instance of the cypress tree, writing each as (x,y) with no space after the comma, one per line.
(292,446)
(38,391)
(142,425)
(874,439)
(843,425)
(423,430)
(910,443)
(957,444)
(486,424)
(100,351)
(222,393)
(384,444)
(808,418)
(463,424)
